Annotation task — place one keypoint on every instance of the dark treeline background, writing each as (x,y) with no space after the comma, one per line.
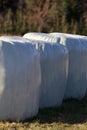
(21,16)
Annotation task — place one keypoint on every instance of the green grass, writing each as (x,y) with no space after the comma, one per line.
(72,115)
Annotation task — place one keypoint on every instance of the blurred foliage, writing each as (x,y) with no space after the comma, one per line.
(19,16)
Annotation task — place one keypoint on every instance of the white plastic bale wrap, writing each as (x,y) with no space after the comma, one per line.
(77,78)
(59,35)
(54,67)
(41,37)
(83,40)
(20,79)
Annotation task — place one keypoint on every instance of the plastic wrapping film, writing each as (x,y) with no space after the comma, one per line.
(20,78)
(77,77)
(54,69)
(41,37)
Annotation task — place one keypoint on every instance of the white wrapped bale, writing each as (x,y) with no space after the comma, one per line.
(41,37)
(16,39)
(54,67)
(83,40)
(58,34)
(77,78)
(20,78)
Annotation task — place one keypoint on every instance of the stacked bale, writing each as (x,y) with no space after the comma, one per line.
(54,67)
(77,77)
(20,78)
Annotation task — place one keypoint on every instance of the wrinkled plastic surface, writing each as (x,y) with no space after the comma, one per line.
(54,67)
(16,39)
(77,78)
(20,79)
(40,36)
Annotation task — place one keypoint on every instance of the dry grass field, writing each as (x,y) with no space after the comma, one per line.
(72,115)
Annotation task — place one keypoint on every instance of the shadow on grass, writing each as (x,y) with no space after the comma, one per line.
(71,112)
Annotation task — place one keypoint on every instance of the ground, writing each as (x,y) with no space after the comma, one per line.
(72,115)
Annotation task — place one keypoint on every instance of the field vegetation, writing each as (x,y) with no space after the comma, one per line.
(21,16)
(72,115)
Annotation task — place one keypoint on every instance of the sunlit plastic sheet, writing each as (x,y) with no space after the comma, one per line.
(54,69)
(77,78)
(20,79)
(41,37)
